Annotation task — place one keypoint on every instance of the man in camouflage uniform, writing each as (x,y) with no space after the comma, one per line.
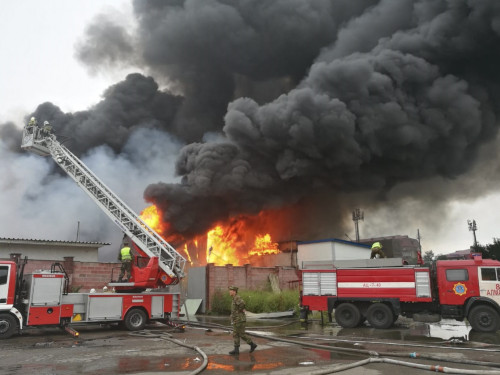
(238,320)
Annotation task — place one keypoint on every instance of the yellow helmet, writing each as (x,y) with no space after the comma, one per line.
(376,245)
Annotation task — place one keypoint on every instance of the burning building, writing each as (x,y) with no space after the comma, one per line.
(239,242)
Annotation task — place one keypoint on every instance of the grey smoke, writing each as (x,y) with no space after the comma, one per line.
(39,202)
(303,108)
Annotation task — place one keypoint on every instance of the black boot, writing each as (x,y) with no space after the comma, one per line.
(252,346)
(236,350)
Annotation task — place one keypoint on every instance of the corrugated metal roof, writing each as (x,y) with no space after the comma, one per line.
(52,242)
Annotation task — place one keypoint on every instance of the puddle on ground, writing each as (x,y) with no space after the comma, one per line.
(111,366)
(443,331)
(426,333)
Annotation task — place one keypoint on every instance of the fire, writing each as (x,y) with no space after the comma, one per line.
(233,243)
(187,253)
(264,246)
(222,246)
(151,217)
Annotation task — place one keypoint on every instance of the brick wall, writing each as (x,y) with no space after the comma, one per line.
(93,275)
(246,277)
(83,276)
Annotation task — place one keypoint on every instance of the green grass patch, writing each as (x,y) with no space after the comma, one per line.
(256,301)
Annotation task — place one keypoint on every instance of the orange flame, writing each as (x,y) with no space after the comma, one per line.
(224,244)
(264,246)
(151,217)
(187,253)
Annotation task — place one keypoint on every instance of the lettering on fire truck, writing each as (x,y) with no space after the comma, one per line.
(376,284)
(494,292)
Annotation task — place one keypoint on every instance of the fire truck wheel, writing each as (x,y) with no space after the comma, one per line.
(484,318)
(135,320)
(8,326)
(380,316)
(347,315)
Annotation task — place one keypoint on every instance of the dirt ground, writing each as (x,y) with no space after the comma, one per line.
(109,350)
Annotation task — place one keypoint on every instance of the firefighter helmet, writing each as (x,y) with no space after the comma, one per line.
(377,245)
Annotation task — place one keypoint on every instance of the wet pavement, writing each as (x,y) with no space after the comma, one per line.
(108,350)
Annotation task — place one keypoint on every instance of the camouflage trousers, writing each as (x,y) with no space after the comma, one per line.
(126,268)
(239,332)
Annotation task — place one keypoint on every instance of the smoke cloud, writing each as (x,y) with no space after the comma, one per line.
(306,109)
(40,202)
(392,99)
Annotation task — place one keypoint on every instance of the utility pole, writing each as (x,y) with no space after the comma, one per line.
(473,228)
(420,260)
(357,215)
(78,231)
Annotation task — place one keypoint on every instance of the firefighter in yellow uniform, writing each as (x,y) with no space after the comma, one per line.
(377,251)
(125,256)
(32,126)
(238,320)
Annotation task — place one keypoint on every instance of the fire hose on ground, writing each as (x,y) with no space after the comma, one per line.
(380,355)
(433,368)
(377,357)
(168,337)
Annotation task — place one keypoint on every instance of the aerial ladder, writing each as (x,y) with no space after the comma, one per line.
(165,265)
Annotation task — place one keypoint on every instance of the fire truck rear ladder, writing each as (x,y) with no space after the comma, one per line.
(150,242)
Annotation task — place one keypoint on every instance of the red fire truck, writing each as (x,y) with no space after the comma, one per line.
(455,289)
(42,297)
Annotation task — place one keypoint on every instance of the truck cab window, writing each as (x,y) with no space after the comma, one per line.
(457,275)
(488,274)
(4,271)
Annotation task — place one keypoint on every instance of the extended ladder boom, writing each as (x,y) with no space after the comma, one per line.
(44,143)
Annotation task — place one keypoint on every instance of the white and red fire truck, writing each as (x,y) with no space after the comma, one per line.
(42,298)
(453,289)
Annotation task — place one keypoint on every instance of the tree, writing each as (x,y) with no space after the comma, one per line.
(428,257)
(493,250)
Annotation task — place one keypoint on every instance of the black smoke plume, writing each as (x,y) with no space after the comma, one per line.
(400,92)
(295,103)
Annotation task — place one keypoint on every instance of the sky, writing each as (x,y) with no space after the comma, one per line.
(38,42)
(223,114)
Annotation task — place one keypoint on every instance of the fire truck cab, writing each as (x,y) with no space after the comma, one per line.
(470,289)
(456,289)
